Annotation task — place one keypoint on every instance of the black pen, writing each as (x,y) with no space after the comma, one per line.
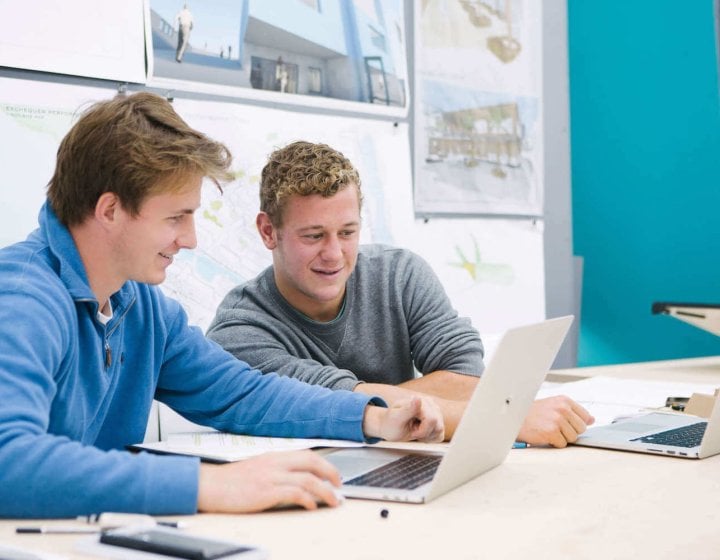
(97,524)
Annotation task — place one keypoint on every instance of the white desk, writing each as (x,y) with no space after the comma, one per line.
(541,503)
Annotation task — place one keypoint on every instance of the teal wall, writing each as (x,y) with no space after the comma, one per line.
(645,141)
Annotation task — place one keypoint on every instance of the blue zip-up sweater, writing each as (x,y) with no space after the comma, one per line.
(74,392)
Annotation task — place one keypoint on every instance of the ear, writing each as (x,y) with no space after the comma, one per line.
(267,230)
(107,208)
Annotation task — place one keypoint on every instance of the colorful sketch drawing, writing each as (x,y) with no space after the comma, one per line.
(491,133)
(493,273)
(474,24)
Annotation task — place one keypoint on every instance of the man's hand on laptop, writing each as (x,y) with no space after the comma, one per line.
(415,418)
(554,421)
(282,478)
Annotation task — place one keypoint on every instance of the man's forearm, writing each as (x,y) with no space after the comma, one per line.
(390,393)
(444,384)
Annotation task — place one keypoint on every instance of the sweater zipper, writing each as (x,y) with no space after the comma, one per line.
(108,333)
(108,354)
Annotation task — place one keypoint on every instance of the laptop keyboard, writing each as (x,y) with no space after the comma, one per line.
(408,472)
(687,436)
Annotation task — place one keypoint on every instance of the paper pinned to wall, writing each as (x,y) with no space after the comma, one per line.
(492,269)
(33,121)
(479,136)
(80,38)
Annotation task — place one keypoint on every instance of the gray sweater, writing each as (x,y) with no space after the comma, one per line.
(396,317)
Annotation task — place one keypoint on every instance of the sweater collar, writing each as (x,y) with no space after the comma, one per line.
(71,267)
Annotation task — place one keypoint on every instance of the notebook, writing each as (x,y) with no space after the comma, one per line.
(666,434)
(483,437)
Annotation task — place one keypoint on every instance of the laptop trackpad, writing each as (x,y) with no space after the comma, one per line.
(634,426)
(354,462)
(648,423)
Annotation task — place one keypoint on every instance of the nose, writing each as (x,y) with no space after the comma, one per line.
(188,237)
(332,248)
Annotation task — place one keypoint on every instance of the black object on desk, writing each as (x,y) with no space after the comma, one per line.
(703,315)
(169,542)
(677,403)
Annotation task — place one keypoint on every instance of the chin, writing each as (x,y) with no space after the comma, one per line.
(328,298)
(152,280)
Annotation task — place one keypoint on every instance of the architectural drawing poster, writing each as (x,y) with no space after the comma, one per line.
(311,52)
(478,116)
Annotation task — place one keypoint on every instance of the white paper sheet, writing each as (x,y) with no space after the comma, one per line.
(80,38)
(608,398)
(232,447)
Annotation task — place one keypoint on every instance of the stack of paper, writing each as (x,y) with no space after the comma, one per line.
(223,447)
(609,398)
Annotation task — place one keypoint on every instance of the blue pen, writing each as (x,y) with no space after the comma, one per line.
(519,445)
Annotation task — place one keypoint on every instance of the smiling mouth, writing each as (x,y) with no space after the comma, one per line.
(328,272)
(168,257)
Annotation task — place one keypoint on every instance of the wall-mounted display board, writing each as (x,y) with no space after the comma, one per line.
(492,269)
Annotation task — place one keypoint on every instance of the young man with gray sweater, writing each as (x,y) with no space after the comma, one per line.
(362,318)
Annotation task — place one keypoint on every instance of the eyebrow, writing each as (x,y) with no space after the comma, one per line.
(316,227)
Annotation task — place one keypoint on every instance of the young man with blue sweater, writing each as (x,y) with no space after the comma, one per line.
(87,341)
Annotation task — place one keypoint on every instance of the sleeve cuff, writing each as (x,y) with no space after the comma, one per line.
(375,401)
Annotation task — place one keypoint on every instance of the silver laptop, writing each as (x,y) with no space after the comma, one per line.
(484,436)
(673,435)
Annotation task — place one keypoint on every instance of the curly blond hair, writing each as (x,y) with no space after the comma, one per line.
(305,169)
